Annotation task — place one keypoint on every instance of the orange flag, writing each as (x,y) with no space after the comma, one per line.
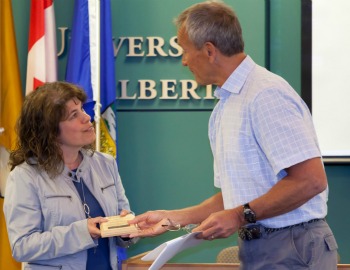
(10,89)
(10,105)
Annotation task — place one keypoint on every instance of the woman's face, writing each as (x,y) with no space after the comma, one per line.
(76,130)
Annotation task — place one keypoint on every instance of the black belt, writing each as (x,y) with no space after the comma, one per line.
(255,231)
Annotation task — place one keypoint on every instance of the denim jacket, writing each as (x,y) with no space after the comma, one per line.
(45,219)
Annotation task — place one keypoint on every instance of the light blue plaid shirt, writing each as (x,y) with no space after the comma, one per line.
(259,127)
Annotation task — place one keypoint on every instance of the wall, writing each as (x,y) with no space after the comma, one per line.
(286,61)
(164,156)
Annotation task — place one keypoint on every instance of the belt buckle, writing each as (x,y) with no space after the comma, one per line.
(249,232)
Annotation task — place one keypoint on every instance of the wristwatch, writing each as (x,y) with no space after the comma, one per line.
(248,214)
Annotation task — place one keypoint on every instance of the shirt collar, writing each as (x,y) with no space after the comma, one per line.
(236,80)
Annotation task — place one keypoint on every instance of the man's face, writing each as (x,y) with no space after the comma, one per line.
(196,60)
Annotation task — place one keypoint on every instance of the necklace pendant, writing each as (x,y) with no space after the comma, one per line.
(86,210)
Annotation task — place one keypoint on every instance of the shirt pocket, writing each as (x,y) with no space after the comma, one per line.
(108,187)
(110,198)
(331,243)
(60,209)
(34,266)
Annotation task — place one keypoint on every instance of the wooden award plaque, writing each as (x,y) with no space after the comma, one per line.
(117,226)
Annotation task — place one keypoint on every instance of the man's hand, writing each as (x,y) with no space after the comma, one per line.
(150,223)
(220,224)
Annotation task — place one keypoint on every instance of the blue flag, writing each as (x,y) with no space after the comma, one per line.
(82,65)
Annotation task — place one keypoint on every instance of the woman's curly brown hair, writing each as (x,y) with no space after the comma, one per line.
(38,126)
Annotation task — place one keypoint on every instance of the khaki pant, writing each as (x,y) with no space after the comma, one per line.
(310,246)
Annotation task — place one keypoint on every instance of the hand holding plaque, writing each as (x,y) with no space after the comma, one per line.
(117,226)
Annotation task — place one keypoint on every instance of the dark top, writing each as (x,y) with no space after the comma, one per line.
(98,257)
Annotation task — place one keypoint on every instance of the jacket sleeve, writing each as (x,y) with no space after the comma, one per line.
(123,202)
(25,223)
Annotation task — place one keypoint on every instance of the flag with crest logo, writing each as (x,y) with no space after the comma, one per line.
(82,66)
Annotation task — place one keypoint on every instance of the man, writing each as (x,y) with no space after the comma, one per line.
(267,161)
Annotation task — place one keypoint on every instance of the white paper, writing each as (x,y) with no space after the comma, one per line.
(167,250)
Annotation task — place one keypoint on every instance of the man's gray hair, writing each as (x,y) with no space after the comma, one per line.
(212,21)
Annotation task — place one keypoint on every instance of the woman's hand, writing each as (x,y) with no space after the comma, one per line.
(93,226)
(124,212)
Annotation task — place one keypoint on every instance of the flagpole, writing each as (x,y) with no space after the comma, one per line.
(98,77)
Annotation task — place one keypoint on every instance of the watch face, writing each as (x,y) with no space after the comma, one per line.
(249,215)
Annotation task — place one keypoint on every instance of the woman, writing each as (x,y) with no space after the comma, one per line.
(59,189)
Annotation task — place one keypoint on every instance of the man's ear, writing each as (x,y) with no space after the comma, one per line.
(210,51)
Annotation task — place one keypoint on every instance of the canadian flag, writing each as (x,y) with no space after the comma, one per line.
(42,51)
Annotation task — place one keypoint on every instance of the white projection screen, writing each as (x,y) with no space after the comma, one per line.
(330,67)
